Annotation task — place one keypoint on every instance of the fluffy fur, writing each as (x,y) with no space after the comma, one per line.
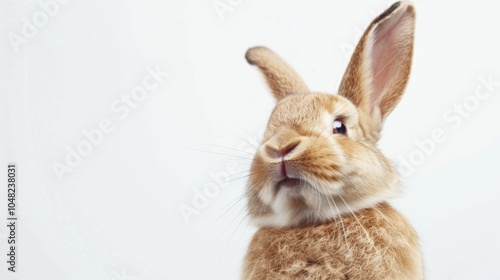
(318,196)
(377,243)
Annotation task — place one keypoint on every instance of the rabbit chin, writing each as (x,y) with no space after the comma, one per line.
(304,204)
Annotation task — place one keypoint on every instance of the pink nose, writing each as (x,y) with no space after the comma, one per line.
(283,151)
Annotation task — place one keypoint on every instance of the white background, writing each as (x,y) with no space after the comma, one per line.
(117,214)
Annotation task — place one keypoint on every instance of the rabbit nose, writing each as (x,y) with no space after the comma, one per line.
(279,152)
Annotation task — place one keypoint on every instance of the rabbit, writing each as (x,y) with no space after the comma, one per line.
(318,184)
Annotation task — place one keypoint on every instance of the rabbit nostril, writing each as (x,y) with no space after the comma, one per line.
(286,150)
(280,152)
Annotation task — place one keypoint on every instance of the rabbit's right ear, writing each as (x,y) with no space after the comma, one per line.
(379,69)
(280,76)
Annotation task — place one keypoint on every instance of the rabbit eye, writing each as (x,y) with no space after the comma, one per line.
(339,127)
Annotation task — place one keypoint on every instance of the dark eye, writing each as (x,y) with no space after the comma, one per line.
(339,127)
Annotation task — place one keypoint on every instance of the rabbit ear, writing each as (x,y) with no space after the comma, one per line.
(379,69)
(280,76)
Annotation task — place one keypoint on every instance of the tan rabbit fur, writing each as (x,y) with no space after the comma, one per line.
(318,185)
(385,247)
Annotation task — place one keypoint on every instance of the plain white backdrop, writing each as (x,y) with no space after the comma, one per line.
(159,196)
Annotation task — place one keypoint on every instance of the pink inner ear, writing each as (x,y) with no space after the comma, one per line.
(384,57)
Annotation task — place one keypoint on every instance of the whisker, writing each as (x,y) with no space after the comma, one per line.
(240,137)
(225,247)
(241,211)
(238,199)
(226,182)
(362,227)
(228,148)
(382,215)
(341,223)
(244,130)
(217,153)
(318,196)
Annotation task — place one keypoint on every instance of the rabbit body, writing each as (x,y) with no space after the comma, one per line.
(376,244)
(319,185)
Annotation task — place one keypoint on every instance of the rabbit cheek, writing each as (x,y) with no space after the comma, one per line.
(260,179)
(325,165)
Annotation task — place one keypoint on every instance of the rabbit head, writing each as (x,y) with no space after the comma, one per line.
(318,158)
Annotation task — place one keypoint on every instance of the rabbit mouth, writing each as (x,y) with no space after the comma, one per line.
(288,183)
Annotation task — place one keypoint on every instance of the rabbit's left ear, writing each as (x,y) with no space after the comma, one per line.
(379,69)
(280,76)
